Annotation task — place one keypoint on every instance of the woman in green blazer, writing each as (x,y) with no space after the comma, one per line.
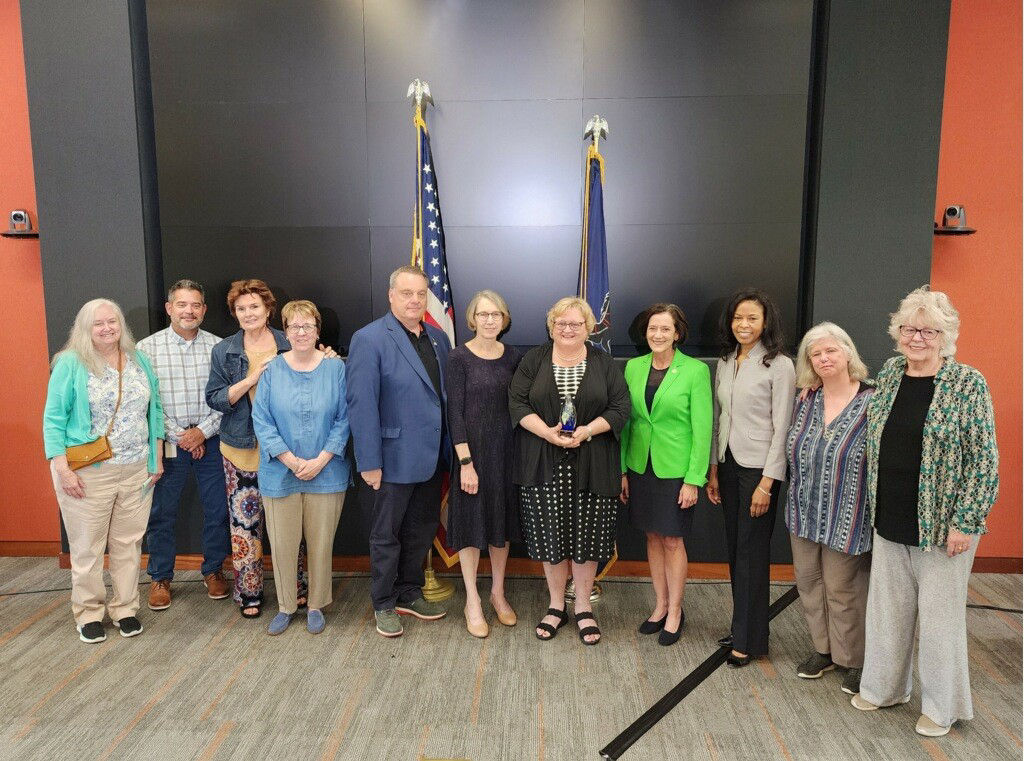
(665,448)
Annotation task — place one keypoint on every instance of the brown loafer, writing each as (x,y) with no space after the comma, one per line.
(216,585)
(160,595)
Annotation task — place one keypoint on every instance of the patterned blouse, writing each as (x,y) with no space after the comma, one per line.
(827,468)
(959,459)
(129,438)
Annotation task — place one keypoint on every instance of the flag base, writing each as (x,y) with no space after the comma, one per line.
(570,592)
(434,589)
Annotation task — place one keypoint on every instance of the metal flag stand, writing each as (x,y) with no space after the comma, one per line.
(434,589)
(597,128)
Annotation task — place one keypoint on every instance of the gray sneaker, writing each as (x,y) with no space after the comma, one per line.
(388,623)
(851,682)
(427,611)
(815,666)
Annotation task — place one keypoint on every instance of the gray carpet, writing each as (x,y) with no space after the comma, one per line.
(201,683)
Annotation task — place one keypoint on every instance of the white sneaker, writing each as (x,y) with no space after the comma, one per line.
(862,704)
(929,728)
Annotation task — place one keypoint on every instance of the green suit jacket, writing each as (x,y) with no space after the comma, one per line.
(676,433)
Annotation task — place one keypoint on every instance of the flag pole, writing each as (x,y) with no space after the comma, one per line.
(434,589)
(597,127)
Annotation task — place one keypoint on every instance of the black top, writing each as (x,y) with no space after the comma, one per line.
(654,379)
(425,349)
(899,462)
(602,393)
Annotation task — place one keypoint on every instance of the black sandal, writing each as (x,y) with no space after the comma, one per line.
(257,614)
(588,630)
(562,617)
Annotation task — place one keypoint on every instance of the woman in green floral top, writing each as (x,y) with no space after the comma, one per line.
(932,479)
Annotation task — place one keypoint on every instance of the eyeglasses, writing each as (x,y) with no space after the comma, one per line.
(909,331)
(301,329)
(573,326)
(486,316)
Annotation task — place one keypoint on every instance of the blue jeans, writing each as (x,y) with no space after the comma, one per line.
(163,518)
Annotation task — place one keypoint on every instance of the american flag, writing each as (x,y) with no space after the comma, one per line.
(428,255)
(428,236)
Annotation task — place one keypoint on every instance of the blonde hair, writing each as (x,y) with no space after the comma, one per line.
(80,336)
(805,375)
(300,307)
(495,299)
(937,310)
(564,305)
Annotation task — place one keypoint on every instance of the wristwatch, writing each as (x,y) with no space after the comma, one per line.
(465,460)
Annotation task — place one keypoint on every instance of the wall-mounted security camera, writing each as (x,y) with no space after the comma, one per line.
(20,226)
(954,221)
(20,221)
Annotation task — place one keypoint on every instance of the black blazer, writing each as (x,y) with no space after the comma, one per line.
(602,393)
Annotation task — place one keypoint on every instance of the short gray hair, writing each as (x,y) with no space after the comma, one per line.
(938,311)
(186,285)
(805,375)
(407,269)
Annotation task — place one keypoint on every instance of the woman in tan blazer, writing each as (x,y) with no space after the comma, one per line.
(754,389)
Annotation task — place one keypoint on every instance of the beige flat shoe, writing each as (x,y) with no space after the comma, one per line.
(479,629)
(506,616)
(929,728)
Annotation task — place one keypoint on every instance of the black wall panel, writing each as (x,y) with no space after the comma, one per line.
(284,150)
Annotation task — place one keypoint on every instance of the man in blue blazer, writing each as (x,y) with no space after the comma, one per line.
(396,409)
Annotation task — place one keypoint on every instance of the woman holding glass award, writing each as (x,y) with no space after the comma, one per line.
(569,403)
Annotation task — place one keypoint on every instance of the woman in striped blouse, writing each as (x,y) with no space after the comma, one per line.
(825,513)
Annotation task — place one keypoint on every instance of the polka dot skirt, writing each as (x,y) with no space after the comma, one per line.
(559,522)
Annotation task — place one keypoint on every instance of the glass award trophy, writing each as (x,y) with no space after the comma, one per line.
(567,418)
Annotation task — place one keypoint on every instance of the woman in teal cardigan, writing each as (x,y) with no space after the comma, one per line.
(665,448)
(100,386)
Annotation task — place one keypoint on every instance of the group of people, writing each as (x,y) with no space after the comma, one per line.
(889,483)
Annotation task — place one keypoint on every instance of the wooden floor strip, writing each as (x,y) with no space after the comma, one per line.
(341,726)
(540,722)
(1006,618)
(224,690)
(710,742)
(222,733)
(990,714)
(771,724)
(424,737)
(164,689)
(37,616)
(934,751)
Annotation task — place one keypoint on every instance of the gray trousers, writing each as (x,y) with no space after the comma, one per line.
(911,587)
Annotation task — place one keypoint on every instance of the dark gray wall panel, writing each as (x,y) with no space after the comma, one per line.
(703,160)
(498,163)
(256,51)
(698,267)
(330,266)
(262,164)
(879,159)
(655,48)
(480,50)
(85,150)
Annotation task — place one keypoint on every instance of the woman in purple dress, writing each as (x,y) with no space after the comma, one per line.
(482,508)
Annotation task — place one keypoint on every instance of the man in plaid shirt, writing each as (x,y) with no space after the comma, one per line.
(180,356)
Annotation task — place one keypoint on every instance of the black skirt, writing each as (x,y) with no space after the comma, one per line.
(654,504)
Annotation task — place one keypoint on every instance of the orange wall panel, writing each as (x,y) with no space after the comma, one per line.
(28,508)
(980,168)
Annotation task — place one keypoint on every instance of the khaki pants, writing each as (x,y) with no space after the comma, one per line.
(112,516)
(314,516)
(833,589)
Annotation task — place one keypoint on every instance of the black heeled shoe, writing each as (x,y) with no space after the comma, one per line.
(652,627)
(670,638)
(725,641)
(738,661)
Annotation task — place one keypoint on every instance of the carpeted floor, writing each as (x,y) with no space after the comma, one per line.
(202,683)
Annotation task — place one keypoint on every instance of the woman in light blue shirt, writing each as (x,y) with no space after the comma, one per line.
(300,418)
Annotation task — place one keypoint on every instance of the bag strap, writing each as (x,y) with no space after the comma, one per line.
(118,404)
